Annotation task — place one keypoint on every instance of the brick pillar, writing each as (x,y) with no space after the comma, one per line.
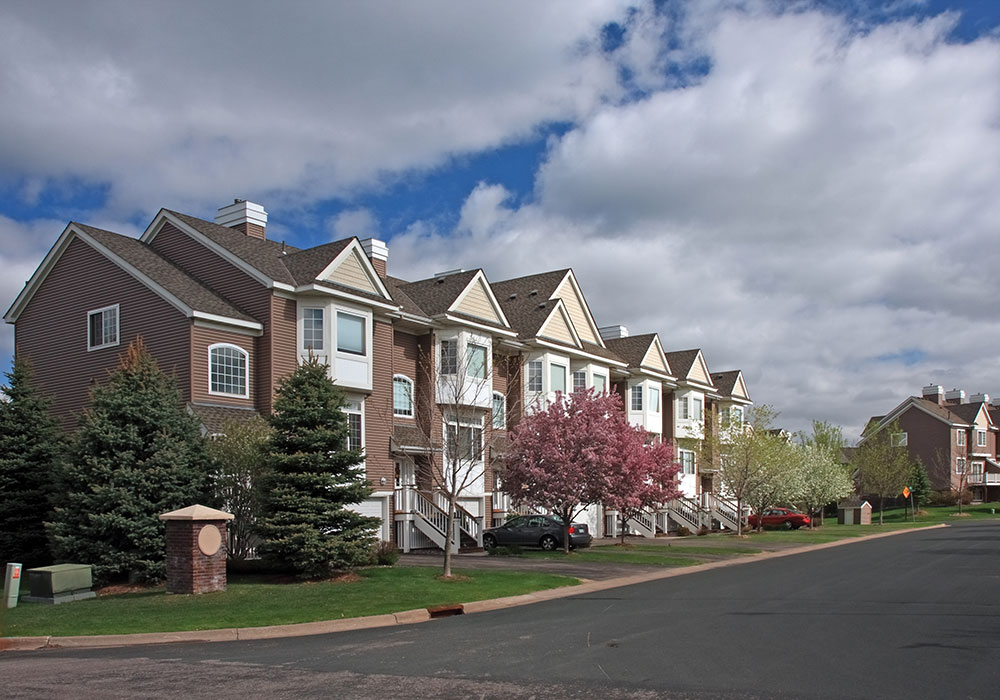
(196,549)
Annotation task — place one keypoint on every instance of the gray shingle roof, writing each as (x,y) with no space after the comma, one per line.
(436,294)
(682,360)
(148,262)
(725,382)
(217,418)
(305,265)
(395,287)
(264,255)
(632,348)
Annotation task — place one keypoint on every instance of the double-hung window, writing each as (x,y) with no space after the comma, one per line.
(228,370)
(960,465)
(980,438)
(102,328)
(350,333)
(687,461)
(579,380)
(402,396)
(696,410)
(355,434)
(960,437)
(600,383)
(449,357)
(312,329)
(535,376)
(637,397)
(654,399)
(683,408)
(465,443)
(898,440)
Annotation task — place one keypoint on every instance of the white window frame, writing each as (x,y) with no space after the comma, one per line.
(246,370)
(960,437)
(565,373)
(635,392)
(960,465)
(980,438)
(458,425)
(654,399)
(306,348)
(538,364)
(684,408)
(688,461)
(365,334)
(898,439)
(697,408)
(469,344)
(577,375)
(409,382)
(118,334)
(356,407)
(497,396)
(602,377)
(441,355)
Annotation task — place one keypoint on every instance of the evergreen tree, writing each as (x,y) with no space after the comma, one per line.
(137,454)
(920,484)
(31,445)
(306,524)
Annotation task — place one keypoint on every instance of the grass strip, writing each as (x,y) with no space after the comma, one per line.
(251,603)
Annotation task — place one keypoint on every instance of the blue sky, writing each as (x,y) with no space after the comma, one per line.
(806,190)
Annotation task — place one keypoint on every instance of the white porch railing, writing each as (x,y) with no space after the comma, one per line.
(471,525)
(643,522)
(685,511)
(986,478)
(725,511)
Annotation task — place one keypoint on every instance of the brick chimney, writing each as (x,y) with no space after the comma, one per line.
(955,397)
(244,216)
(378,252)
(935,393)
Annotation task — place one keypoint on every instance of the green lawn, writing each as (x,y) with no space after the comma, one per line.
(647,554)
(248,602)
(941,514)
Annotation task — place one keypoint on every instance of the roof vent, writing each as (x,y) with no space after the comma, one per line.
(512,296)
(542,305)
(533,293)
(446,273)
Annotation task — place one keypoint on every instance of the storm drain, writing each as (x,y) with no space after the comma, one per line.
(445,611)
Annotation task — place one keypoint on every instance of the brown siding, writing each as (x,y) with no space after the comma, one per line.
(243,292)
(52,329)
(378,409)
(201,339)
(668,414)
(932,442)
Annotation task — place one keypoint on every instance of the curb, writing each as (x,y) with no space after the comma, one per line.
(406,617)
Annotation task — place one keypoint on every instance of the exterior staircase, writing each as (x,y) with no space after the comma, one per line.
(430,519)
(687,512)
(644,523)
(725,511)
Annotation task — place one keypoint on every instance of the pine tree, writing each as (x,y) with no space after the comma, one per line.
(137,454)
(920,484)
(306,524)
(31,444)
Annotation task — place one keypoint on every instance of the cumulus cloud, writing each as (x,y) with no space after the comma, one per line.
(353,222)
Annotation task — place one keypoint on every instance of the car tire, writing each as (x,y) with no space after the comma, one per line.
(549,543)
(489,542)
(788,525)
(796,527)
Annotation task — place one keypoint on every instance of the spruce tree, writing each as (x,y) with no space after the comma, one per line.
(31,444)
(137,454)
(920,484)
(306,525)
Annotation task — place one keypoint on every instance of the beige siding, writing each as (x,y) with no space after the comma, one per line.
(52,330)
(351,273)
(654,358)
(699,372)
(740,388)
(477,303)
(577,313)
(557,328)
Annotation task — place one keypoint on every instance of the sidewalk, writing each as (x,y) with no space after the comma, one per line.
(618,575)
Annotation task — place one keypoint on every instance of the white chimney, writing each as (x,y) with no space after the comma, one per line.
(248,217)
(934,392)
(611,332)
(378,252)
(979,398)
(954,397)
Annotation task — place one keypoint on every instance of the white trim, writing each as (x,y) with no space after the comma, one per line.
(246,370)
(482,327)
(480,275)
(901,409)
(413,411)
(579,353)
(226,320)
(355,247)
(561,307)
(201,323)
(118,327)
(320,289)
(500,395)
(583,302)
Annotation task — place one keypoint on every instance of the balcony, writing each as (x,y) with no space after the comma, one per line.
(979,479)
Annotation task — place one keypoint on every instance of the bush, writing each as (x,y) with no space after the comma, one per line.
(385,553)
(703,530)
(950,498)
(683,531)
(508,551)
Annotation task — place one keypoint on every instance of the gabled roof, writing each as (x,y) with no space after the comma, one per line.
(690,366)
(306,265)
(265,256)
(214,419)
(527,301)
(969,412)
(931,408)
(148,267)
(406,304)
(635,350)
(731,385)
(442,296)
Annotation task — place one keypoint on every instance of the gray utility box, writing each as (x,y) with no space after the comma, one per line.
(61,583)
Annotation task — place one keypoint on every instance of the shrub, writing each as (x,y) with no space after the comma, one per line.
(703,530)
(385,553)
(683,531)
(508,551)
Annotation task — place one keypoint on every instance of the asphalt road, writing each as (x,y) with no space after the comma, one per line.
(912,616)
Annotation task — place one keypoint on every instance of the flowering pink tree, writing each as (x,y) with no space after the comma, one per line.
(640,476)
(558,457)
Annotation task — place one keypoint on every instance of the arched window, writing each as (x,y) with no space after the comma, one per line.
(228,370)
(402,396)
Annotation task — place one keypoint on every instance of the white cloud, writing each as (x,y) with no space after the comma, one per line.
(353,222)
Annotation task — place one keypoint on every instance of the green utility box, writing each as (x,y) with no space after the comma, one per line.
(61,583)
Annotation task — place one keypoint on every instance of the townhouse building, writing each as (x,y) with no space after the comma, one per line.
(955,438)
(434,371)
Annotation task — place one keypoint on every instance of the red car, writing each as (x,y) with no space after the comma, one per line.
(781,517)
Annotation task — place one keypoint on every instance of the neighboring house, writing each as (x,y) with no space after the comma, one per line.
(431,369)
(955,438)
